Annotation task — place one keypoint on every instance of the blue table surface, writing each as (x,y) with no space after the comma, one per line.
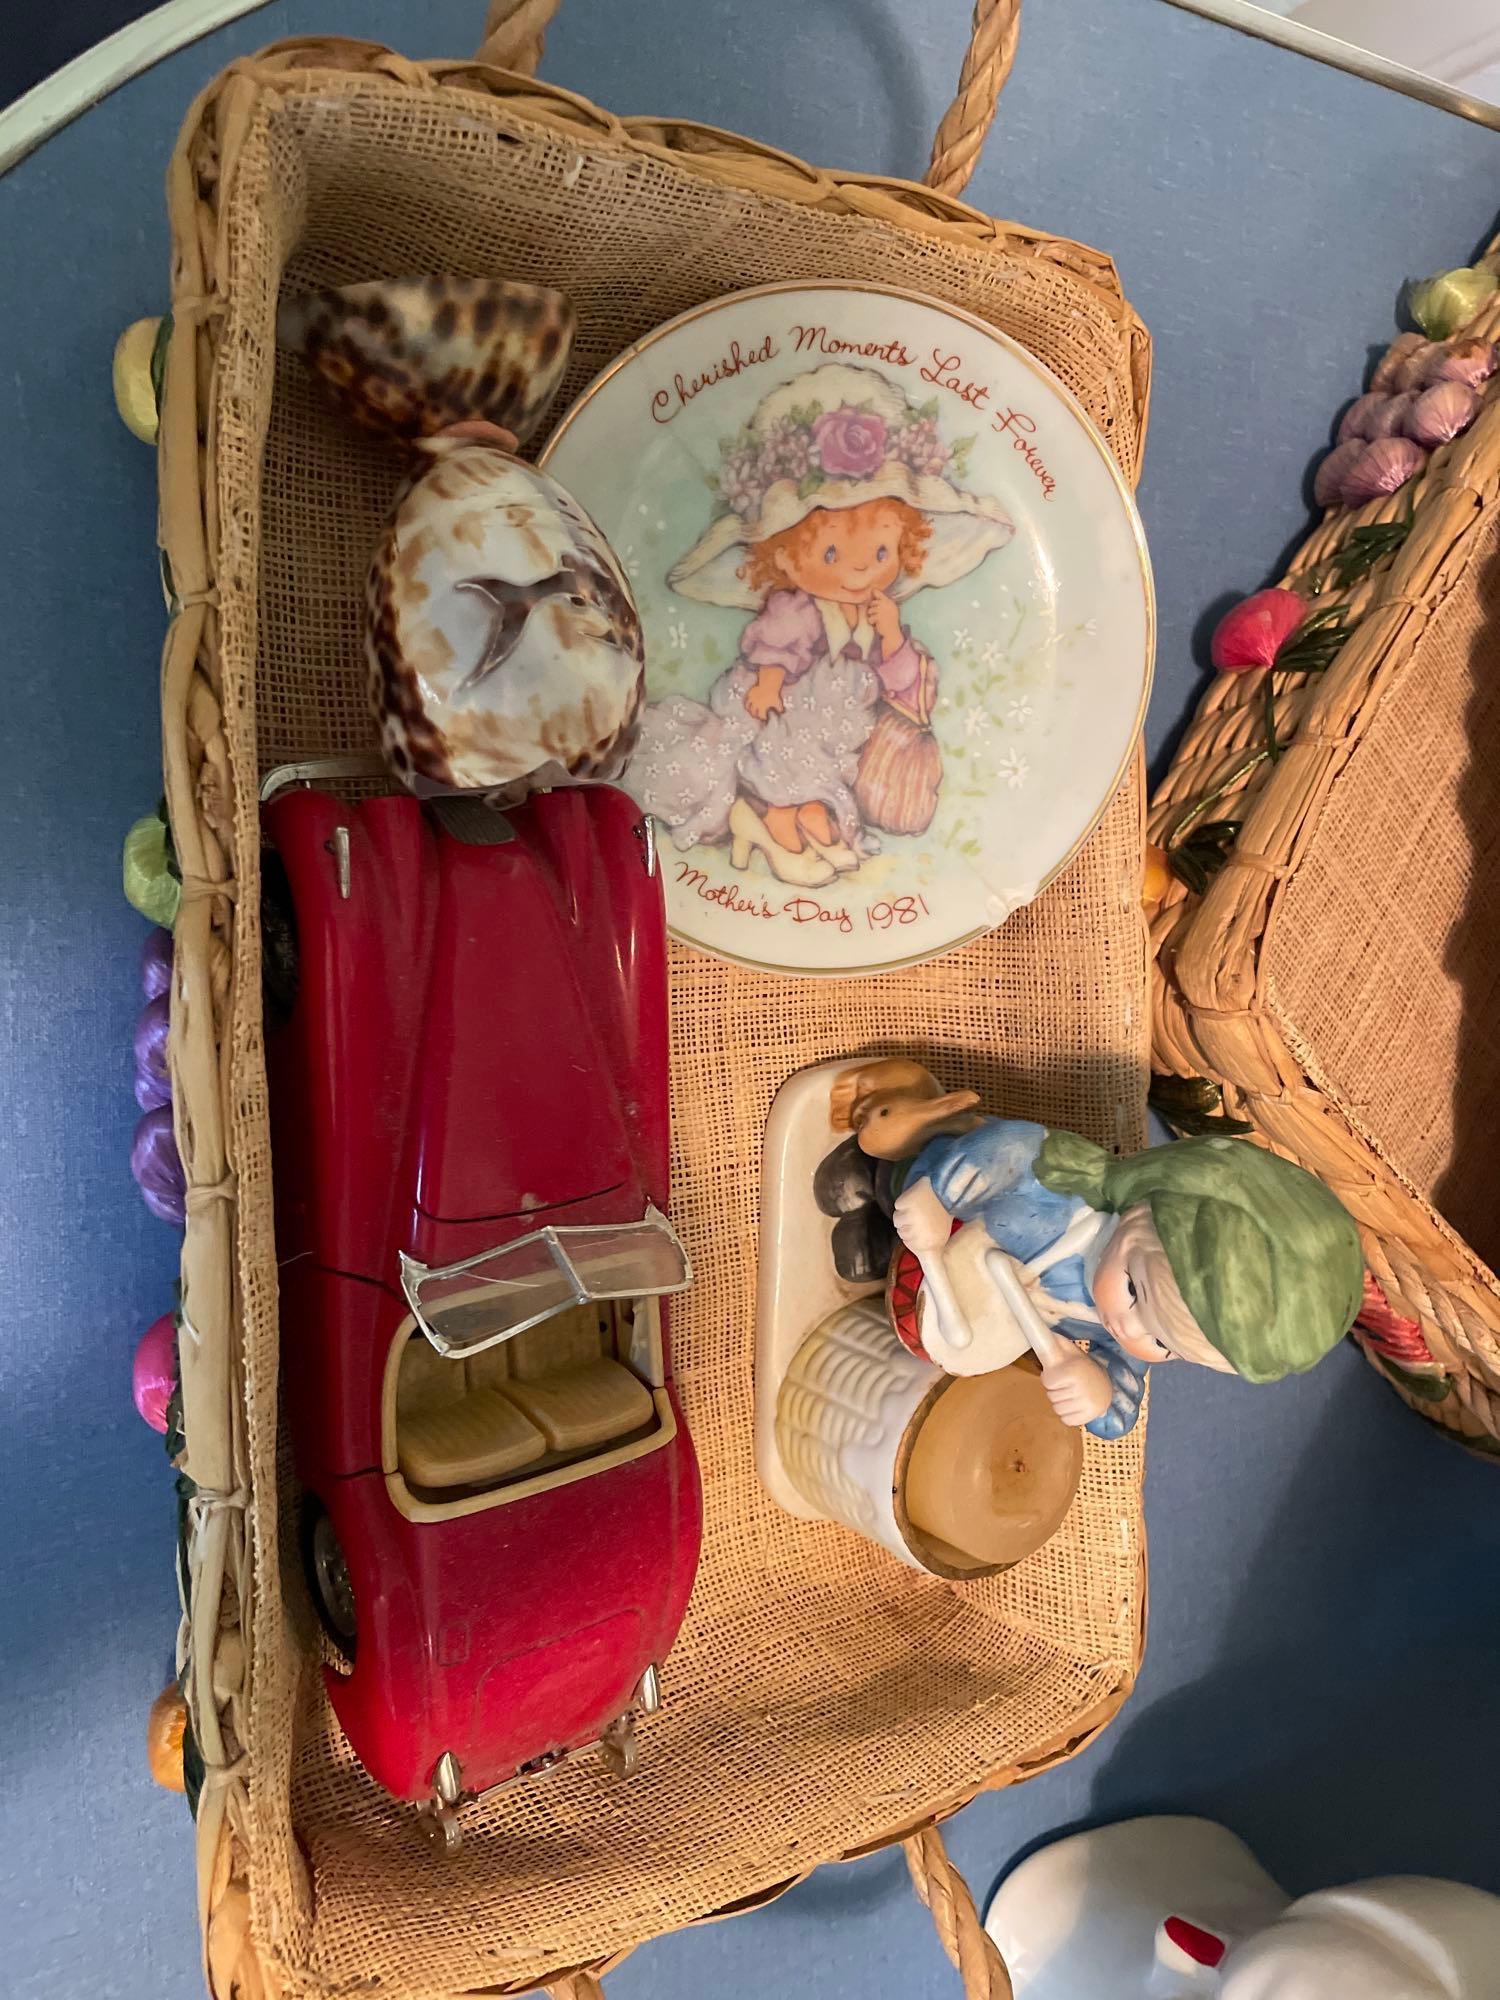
(1321,1671)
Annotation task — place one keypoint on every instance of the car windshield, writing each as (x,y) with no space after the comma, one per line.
(467,1307)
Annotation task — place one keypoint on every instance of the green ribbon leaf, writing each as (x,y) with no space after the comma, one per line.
(1426,1388)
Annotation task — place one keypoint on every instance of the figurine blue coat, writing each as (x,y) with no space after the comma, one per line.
(987,1175)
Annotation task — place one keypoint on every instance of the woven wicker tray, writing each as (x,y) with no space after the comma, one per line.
(821,1701)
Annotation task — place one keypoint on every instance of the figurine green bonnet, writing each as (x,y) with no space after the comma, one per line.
(1266,1260)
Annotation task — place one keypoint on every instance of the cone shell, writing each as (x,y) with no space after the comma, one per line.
(504,645)
(409,356)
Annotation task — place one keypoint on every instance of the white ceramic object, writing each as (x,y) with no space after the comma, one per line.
(870,733)
(796,1284)
(851,1425)
(1165,1908)
(1001,1304)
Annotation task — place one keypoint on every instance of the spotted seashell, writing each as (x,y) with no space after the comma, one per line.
(409,356)
(504,646)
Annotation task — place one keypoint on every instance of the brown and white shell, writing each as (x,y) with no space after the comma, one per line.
(503,642)
(409,356)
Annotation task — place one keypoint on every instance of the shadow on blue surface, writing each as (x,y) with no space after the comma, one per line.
(40,36)
(1326,1755)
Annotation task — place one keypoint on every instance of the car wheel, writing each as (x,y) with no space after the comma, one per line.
(440,1824)
(328,1579)
(619,1749)
(278,938)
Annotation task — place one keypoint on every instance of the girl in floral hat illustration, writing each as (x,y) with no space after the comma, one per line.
(838,503)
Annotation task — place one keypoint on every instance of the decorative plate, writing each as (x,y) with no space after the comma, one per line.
(898,619)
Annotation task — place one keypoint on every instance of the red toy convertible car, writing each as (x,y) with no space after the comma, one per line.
(466,1037)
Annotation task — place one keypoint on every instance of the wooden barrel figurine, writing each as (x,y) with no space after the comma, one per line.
(959,1476)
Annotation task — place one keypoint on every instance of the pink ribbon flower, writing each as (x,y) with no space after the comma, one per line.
(850,443)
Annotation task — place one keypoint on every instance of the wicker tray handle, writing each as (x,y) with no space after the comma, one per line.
(515,30)
(946,1895)
(945,1892)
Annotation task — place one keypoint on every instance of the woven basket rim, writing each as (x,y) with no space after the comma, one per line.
(1362,676)
(283,66)
(285,69)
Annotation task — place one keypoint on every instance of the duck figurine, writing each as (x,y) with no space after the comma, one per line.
(503,643)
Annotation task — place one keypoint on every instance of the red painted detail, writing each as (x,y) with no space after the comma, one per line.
(1390,1333)
(1201,1946)
(903,1293)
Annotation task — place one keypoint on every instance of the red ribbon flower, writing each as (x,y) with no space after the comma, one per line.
(1389,1333)
(1255,632)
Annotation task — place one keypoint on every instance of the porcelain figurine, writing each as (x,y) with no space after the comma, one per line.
(503,643)
(1206,1250)
(1165,1908)
(955,1477)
